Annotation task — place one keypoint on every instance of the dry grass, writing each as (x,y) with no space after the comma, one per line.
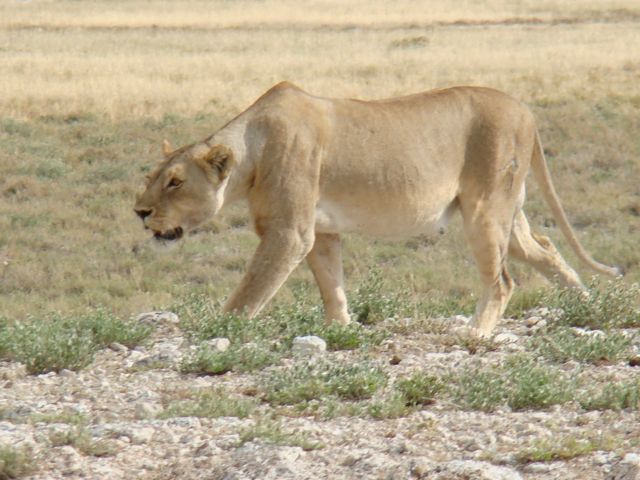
(223,14)
(89,89)
(124,58)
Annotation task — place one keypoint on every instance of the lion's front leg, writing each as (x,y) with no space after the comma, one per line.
(277,255)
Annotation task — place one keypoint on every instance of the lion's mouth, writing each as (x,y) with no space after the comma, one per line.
(174,234)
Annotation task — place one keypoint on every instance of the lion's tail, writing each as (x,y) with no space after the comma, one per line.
(543,178)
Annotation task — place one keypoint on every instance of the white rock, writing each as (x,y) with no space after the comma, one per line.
(603,458)
(585,332)
(58,430)
(546,313)
(309,345)
(505,458)
(155,361)
(136,355)
(145,410)
(218,344)
(532,321)
(466,469)
(12,371)
(539,467)
(288,453)
(626,469)
(420,467)
(506,338)
(470,443)
(69,460)
(591,416)
(185,422)
(64,373)
(458,320)
(159,318)
(118,347)
(149,464)
(207,449)
(106,471)
(227,442)
(376,462)
(632,458)
(535,323)
(140,435)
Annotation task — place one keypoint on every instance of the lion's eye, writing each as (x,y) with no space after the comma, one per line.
(174,183)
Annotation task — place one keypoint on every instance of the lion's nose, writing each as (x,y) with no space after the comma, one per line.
(143,212)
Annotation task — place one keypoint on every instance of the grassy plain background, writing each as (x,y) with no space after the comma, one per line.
(89,89)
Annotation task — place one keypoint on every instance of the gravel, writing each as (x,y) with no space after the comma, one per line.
(114,426)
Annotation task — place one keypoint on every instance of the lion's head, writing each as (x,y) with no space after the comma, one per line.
(185,190)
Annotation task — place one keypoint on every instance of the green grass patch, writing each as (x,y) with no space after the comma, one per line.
(270,431)
(328,408)
(564,344)
(372,302)
(50,345)
(614,304)
(420,388)
(70,418)
(244,358)
(391,406)
(409,394)
(15,462)
(202,319)
(444,305)
(55,343)
(79,438)
(472,344)
(350,337)
(524,300)
(211,404)
(613,396)
(106,328)
(551,449)
(304,382)
(522,383)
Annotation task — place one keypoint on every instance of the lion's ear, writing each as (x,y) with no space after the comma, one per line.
(220,159)
(167,149)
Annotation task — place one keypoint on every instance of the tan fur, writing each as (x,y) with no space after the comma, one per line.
(312,168)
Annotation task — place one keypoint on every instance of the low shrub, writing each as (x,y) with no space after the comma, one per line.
(563,344)
(211,404)
(244,358)
(305,382)
(612,305)
(613,396)
(55,343)
(522,383)
(419,389)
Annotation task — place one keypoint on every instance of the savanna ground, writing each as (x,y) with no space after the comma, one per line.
(88,90)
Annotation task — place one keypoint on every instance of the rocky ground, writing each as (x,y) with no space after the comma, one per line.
(106,422)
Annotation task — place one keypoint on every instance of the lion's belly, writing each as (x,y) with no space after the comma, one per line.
(382,220)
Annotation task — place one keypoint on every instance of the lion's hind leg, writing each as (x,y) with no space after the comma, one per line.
(325,260)
(488,238)
(540,253)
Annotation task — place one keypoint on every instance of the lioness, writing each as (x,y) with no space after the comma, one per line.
(312,168)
